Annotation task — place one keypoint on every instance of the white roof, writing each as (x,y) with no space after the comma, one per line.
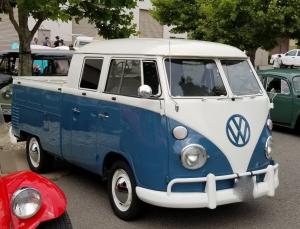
(161,47)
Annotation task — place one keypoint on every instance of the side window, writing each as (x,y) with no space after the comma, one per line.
(151,77)
(298,53)
(91,73)
(291,53)
(277,85)
(124,77)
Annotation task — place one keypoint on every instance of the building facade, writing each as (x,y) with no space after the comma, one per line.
(146,25)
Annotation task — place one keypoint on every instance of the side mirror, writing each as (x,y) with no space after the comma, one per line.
(145,91)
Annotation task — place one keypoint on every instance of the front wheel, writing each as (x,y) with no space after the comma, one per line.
(63,222)
(121,188)
(38,160)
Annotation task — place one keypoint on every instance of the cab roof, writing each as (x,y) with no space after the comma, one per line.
(281,72)
(161,47)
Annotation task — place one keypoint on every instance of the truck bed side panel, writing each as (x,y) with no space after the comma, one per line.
(38,112)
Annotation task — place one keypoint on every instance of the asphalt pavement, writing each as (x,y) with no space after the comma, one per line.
(89,207)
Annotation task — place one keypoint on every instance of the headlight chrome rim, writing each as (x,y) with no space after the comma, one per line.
(31,192)
(199,162)
(269,147)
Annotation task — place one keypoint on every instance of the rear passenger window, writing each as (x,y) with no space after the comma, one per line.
(91,73)
(125,77)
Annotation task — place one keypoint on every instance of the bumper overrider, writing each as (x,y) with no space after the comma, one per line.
(212,197)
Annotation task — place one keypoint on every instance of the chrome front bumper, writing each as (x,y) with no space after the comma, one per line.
(212,197)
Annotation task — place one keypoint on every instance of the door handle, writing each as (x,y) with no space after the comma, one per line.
(76,110)
(103,115)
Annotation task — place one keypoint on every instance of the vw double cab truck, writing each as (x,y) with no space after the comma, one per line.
(173,123)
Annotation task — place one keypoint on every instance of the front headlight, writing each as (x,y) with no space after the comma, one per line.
(193,156)
(26,202)
(268,147)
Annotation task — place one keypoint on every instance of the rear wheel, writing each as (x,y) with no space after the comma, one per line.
(63,222)
(121,188)
(38,160)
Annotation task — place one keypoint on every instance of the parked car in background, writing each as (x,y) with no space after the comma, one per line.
(285,83)
(28,200)
(291,58)
(46,62)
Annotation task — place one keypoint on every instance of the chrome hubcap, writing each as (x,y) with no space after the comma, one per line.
(121,190)
(34,152)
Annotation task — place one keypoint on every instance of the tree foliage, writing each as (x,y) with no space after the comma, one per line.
(112,18)
(247,24)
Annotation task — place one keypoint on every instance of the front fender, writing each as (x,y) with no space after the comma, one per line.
(53,199)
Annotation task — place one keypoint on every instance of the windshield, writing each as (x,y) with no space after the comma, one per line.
(194,77)
(296,82)
(240,77)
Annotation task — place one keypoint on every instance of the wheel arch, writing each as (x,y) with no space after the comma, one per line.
(24,136)
(112,157)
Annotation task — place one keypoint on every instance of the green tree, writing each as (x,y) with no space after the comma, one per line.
(246,24)
(111,17)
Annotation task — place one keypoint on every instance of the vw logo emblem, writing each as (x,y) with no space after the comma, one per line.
(238,130)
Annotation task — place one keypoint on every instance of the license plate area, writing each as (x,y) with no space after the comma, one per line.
(243,187)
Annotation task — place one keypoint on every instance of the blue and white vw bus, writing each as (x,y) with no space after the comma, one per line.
(174,123)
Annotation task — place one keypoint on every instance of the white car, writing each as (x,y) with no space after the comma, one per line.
(291,58)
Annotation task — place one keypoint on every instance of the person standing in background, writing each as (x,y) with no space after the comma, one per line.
(47,42)
(61,42)
(35,41)
(56,43)
(277,61)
